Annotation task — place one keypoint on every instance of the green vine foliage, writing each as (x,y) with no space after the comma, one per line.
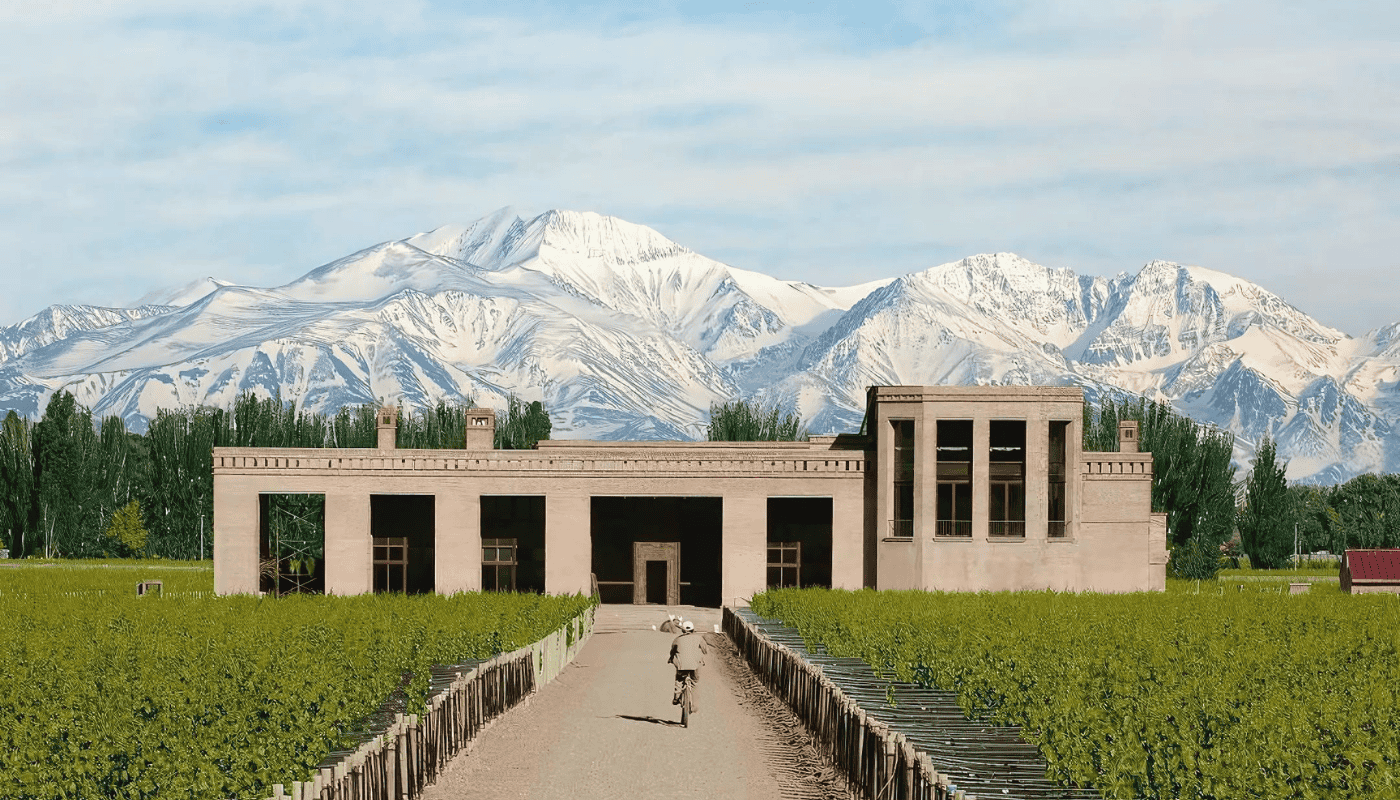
(200,697)
(1221,694)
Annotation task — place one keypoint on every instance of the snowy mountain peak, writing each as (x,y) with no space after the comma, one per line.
(622,332)
(595,236)
(488,242)
(503,239)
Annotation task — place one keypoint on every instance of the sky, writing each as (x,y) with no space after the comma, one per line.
(146,144)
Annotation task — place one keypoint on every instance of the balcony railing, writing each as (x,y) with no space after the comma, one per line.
(953,527)
(1007,528)
(901,528)
(1058,529)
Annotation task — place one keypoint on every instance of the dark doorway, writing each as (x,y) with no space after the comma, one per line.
(292,551)
(799,530)
(656,582)
(403,527)
(696,523)
(512,543)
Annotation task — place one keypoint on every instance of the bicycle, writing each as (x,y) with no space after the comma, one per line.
(688,692)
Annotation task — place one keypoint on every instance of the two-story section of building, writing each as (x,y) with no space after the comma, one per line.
(947,488)
(987,489)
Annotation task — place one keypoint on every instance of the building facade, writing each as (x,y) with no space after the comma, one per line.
(951,488)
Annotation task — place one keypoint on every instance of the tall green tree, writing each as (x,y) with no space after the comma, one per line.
(182,479)
(745,421)
(521,426)
(1193,480)
(17,506)
(1319,525)
(68,487)
(1368,511)
(441,427)
(1266,521)
(353,427)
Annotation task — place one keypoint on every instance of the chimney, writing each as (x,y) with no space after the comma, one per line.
(481,429)
(1127,436)
(388,427)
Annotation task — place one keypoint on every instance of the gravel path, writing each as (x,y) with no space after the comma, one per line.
(605,728)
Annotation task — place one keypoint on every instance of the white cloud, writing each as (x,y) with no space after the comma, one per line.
(1101,133)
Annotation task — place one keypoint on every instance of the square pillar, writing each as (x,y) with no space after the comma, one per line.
(349,547)
(847,541)
(237,514)
(884,472)
(744,571)
(568,543)
(457,542)
(1037,476)
(981,477)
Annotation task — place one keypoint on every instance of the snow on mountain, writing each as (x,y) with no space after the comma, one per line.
(626,334)
(181,295)
(57,322)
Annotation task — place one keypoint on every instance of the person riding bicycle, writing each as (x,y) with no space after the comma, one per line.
(688,655)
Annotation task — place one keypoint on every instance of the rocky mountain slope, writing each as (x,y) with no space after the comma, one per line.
(627,335)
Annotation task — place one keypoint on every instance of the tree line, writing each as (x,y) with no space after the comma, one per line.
(1262,516)
(64,478)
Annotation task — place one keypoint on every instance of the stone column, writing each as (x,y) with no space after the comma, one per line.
(568,543)
(847,537)
(457,541)
(981,477)
(237,518)
(745,548)
(1037,476)
(349,548)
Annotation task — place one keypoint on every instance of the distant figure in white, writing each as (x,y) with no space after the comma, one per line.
(688,653)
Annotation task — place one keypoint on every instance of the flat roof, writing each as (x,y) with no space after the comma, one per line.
(966,393)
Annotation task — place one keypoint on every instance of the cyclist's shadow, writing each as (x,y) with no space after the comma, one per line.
(668,722)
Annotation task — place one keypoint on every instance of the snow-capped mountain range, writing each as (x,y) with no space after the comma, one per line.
(625,334)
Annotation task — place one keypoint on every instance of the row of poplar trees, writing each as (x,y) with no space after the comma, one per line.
(65,478)
(1262,516)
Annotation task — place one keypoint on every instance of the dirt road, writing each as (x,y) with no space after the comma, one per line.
(605,728)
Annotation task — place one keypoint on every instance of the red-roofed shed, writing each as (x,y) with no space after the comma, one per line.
(1371,571)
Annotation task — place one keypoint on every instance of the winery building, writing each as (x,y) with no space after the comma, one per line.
(948,488)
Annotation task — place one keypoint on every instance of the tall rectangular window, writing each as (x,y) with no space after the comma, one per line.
(1006,512)
(498,562)
(903,522)
(1059,480)
(784,564)
(390,563)
(954,507)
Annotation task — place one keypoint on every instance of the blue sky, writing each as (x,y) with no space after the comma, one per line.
(145,144)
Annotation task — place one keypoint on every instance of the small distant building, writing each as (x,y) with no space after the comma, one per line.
(980,488)
(1365,571)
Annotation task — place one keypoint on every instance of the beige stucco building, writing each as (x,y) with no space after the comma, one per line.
(955,488)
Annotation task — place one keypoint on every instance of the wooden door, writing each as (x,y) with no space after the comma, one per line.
(669,552)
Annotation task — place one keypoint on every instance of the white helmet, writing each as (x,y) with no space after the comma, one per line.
(688,626)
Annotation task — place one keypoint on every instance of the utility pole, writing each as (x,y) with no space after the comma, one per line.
(201,537)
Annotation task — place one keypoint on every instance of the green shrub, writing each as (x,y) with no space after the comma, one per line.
(126,531)
(1195,560)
